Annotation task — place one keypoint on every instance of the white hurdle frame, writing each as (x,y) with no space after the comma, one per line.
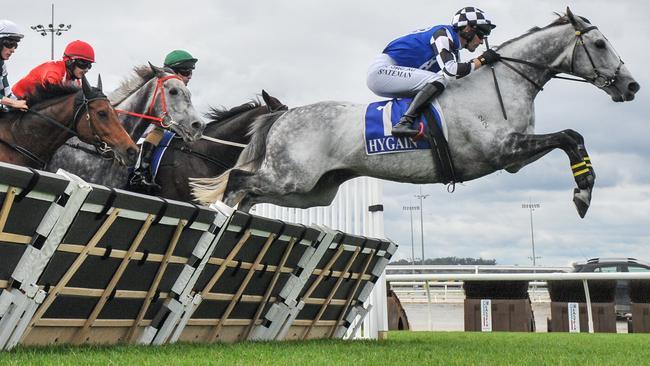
(349,212)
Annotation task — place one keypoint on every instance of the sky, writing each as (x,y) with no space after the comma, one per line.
(308,51)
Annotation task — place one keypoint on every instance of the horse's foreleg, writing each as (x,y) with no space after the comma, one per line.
(521,149)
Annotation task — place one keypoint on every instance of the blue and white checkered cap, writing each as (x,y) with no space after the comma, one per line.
(471,16)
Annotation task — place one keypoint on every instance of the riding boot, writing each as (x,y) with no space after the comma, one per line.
(405,128)
(141,179)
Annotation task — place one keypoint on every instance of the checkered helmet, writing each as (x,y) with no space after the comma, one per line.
(473,17)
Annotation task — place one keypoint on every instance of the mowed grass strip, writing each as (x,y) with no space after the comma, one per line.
(401,348)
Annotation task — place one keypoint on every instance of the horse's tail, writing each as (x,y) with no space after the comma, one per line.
(210,190)
(251,158)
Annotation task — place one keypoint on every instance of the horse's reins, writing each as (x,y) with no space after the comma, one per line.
(100,145)
(599,80)
(164,120)
(223,142)
(237,144)
(214,161)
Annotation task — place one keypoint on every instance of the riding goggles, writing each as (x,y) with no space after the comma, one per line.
(9,43)
(183,72)
(83,64)
(482,31)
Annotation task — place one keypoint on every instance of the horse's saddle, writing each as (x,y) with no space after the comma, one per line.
(382,116)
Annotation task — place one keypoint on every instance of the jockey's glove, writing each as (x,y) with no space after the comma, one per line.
(489,57)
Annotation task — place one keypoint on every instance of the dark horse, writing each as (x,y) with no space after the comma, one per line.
(205,158)
(58,113)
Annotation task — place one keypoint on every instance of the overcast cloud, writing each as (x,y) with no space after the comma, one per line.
(308,51)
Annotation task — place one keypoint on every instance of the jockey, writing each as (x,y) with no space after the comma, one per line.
(9,37)
(77,60)
(420,64)
(182,64)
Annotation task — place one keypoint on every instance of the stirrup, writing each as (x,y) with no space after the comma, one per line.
(404,128)
(420,134)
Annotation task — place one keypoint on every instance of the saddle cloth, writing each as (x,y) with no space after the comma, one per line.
(381,116)
(160,151)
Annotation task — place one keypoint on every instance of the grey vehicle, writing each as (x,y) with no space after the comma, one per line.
(623,306)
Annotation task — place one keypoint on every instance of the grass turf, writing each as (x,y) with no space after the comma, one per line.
(401,348)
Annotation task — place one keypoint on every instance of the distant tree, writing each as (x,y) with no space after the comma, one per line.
(401,262)
(449,261)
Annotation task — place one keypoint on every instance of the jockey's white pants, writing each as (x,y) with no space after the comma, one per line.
(386,79)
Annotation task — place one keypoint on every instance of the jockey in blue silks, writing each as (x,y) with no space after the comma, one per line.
(420,64)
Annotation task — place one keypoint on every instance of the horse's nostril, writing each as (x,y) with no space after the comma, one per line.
(633,87)
(197,125)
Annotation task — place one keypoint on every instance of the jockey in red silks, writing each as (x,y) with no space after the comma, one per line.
(77,60)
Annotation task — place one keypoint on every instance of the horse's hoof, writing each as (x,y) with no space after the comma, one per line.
(582,200)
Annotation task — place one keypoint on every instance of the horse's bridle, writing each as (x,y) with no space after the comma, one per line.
(600,79)
(164,120)
(100,145)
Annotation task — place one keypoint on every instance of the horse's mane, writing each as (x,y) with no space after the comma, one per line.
(216,115)
(47,92)
(143,74)
(561,20)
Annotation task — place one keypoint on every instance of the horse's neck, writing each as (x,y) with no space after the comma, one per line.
(551,46)
(137,102)
(43,137)
(235,128)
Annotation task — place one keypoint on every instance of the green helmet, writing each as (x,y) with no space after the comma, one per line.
(180,59)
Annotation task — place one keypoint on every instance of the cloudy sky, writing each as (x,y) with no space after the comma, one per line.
(308,51)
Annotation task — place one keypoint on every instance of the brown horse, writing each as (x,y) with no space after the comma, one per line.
(56,114)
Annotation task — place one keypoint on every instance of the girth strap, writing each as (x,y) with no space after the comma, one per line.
(440,150)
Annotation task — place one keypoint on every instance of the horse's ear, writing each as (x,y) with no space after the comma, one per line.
(570,15)
(156,70)
(267,100)
(85,86)
(273,104)
(99,82)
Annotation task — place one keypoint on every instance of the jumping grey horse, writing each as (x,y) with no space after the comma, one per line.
(152,94)
(302,158)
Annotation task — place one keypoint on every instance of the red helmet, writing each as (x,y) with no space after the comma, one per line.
(79,49)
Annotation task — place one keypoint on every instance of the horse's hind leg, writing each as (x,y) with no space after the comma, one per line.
(239,185)
(521,149)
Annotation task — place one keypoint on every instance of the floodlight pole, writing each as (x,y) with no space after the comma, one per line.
(531,207)
(410,209)
(52,29)
(421,197)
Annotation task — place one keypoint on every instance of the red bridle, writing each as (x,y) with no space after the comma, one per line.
(160,121)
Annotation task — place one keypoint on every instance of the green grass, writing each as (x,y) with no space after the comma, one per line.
(401,348)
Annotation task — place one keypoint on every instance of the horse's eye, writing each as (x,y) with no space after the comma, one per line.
(102,114)
(600,44)
(173,91)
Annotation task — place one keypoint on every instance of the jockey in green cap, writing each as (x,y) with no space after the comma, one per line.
(182,64)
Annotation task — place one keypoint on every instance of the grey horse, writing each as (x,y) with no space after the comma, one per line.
(141,94)
(302,158)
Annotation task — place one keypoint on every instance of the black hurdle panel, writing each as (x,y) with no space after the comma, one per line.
(115,267)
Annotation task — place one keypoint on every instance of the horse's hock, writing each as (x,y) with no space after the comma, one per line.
(81,263)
